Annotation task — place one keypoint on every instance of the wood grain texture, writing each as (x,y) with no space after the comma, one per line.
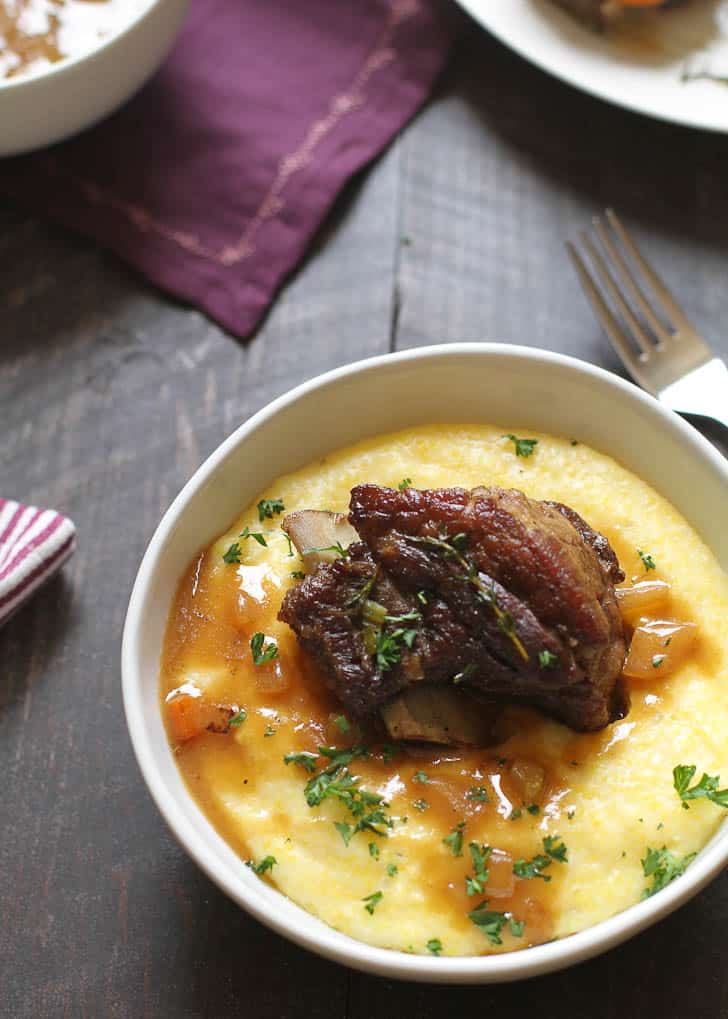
(110,397)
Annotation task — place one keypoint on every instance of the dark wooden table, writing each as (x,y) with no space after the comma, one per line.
(110,397)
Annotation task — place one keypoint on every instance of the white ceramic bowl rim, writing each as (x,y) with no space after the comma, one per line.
(254,895)
(66,63)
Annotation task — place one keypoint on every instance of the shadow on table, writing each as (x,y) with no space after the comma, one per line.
(670,176)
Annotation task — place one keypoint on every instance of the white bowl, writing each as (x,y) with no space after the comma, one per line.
(510,386)
(40,109)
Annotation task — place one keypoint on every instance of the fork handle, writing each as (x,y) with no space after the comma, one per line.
(703,391)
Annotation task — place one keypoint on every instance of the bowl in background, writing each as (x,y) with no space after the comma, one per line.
(41,108)
(516,387)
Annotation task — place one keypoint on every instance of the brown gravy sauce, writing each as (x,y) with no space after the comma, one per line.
(218,620)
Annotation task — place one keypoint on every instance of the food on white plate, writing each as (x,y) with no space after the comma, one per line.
(455,691)
(599,14)
(35,34)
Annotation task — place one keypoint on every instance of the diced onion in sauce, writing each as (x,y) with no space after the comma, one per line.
(271,677)
(500,875)
(645,598)
(527,780)
(658,648)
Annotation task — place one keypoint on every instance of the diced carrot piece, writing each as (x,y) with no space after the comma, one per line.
(191,715)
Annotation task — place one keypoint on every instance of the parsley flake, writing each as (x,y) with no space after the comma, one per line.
(454,840)
(232,556)
(269,508)
(516,927)
(404,483)
(298,575)
(342,723)
(420,776)
(547,659)
(305,759)
(391,869)
(434,945)
(706,788)
(489,922)
(261,652)
(336,547)
(647,560)
(554,846)
(267,863)
(374,850)
(238,718)
(420,805)
(372,901)
(255,535)
(478,793)
(657,661)
(269,731)
(524,447)
(534,809)
(663,867)
(479,854)
(533,868)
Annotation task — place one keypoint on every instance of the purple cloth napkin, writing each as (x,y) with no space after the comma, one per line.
(213,179)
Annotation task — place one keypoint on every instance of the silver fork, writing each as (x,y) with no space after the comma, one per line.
(654,340)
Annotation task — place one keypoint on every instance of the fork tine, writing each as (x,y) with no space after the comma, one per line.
(622,346)
(633,286)
(638,333)
(659,289)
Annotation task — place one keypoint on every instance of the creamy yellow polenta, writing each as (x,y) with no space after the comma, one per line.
(608,796)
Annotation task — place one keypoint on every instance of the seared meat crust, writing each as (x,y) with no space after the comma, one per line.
(516,599)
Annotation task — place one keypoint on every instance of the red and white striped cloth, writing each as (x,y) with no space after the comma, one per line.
(34,543)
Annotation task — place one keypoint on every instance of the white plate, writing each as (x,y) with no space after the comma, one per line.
(643,70)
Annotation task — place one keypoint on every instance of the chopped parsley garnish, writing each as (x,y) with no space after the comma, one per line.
(267,863)
(706,788)
(420,776)
(480,854)
(663,867)
(554,846)
(404,483)
(291,553)
(420,805)
(234,553)
(372,901)
(255,535)
(533,868)
(547,659)
(533,808)
(422,597)
(269,731)
(336,547)
(515,814)
(342,723)
(454,841)
(298,575)
(434,945)
(261,652)
(657,661)
(516,927)
(345,830)
(238,718)
(391,869)
(335,781)
(305,759)
(647,560)
(489,922)
(268,508)
(477,792)
(524,447)
(374,850)
(388,649)
(232,556)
